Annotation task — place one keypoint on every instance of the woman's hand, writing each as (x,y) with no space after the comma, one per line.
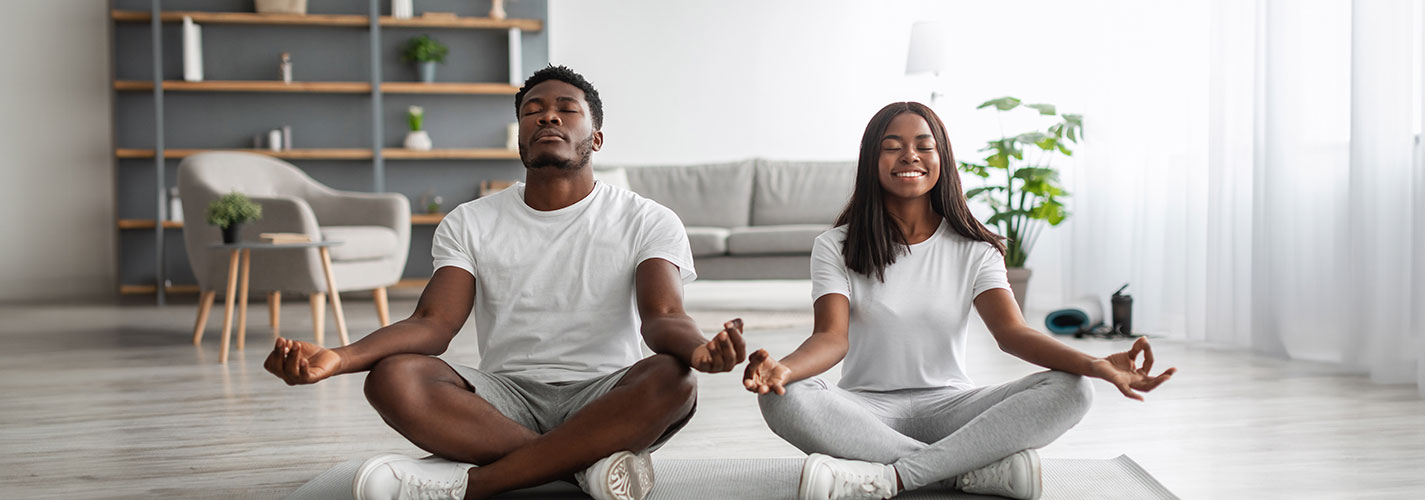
(765,374)
(1122,371)
(297,362)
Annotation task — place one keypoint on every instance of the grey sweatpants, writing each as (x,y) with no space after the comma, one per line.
(929,435)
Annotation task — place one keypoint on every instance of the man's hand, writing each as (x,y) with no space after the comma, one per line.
(297,362)
(1121,370)
(723,352)
(765,374)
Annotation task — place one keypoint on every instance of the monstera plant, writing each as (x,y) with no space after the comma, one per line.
(1021,185)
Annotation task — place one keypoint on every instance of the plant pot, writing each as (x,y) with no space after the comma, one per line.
(426,69)
(418,140)
(281,6)
(230,233)
(1019,284)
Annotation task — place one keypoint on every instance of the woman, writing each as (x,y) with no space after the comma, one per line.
(893,283)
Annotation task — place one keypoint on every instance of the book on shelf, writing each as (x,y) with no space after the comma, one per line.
(281,238)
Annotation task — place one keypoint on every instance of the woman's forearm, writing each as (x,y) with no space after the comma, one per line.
(1038,348)
(817,354)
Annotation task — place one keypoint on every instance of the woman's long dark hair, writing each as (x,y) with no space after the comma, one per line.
(873,239)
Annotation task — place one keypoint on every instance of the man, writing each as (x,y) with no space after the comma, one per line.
(554,269)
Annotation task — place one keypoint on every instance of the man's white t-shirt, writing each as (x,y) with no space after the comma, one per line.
(909,332)
(554,291)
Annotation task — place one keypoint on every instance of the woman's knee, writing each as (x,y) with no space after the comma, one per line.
(1075,391)
(779,408)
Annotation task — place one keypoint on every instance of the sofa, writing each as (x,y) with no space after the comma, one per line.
(750,219)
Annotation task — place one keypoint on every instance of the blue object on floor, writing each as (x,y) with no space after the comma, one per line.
(1081,314)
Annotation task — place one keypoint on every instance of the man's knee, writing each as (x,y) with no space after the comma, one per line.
(395,380)
(664,378)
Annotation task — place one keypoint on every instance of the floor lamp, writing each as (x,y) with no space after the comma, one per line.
(927,52)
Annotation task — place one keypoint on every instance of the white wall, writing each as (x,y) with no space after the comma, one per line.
(706,81)
(56,175)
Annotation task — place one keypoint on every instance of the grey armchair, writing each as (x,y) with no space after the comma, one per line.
(374,228)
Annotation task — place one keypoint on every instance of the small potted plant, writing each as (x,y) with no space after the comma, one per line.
(417,139)
(425,52)
(230,212)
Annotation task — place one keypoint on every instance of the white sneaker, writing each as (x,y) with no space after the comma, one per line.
(622,476)
(398,477)
(1017,476)
(829,478)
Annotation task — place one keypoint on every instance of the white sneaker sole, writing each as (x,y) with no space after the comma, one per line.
(808,466)
(370,465)
(630,477)
(1037,471)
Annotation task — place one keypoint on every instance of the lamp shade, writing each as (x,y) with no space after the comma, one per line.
(927,52)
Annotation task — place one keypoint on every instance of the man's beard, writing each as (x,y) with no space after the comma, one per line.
(583,152)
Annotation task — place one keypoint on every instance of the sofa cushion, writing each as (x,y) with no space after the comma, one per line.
(707,241)
(771,240)
(360,242)
(718,195)
(800,192)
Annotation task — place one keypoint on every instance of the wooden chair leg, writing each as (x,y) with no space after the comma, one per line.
(274,312)
(319,315)
(383,308)
(242,299)
(205,306)
(228,307)
(335,296)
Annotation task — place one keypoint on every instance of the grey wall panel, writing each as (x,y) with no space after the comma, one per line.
(452,121)
(229,120)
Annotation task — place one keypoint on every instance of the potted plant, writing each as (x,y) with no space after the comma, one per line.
(417,139)
(425,52)
(229,213)
(1026,197)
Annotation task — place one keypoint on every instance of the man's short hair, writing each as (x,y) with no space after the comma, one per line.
(566,75)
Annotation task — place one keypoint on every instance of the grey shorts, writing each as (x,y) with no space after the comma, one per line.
(542,406)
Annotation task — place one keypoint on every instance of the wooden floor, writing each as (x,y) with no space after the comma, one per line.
(114,402)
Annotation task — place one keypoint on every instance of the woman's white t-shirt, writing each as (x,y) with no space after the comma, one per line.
(909,332)
(554,291)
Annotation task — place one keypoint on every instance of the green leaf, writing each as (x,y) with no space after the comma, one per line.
(1004,217)
(971,168)
(999,161)
(1036,174)
(1065,150)
(1044,109)
(981,190)
(1003,104)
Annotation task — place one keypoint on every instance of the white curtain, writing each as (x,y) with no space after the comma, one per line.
(1301,230)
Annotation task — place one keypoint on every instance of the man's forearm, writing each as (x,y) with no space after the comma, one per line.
(412,335)
(676,335)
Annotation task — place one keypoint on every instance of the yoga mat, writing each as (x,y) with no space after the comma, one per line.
(776,479)
(1084,312)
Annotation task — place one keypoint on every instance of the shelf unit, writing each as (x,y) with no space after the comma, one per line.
(372,22)
(321,87)
(340,153)
(416,220)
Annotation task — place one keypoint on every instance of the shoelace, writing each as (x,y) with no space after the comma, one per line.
(994,477)
(429,489)
(864,485)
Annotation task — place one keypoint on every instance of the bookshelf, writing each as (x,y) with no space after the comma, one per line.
(346,105)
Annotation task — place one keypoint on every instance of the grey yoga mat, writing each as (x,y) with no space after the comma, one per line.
(776,479)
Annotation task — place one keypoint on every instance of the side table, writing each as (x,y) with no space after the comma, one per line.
(239,256)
